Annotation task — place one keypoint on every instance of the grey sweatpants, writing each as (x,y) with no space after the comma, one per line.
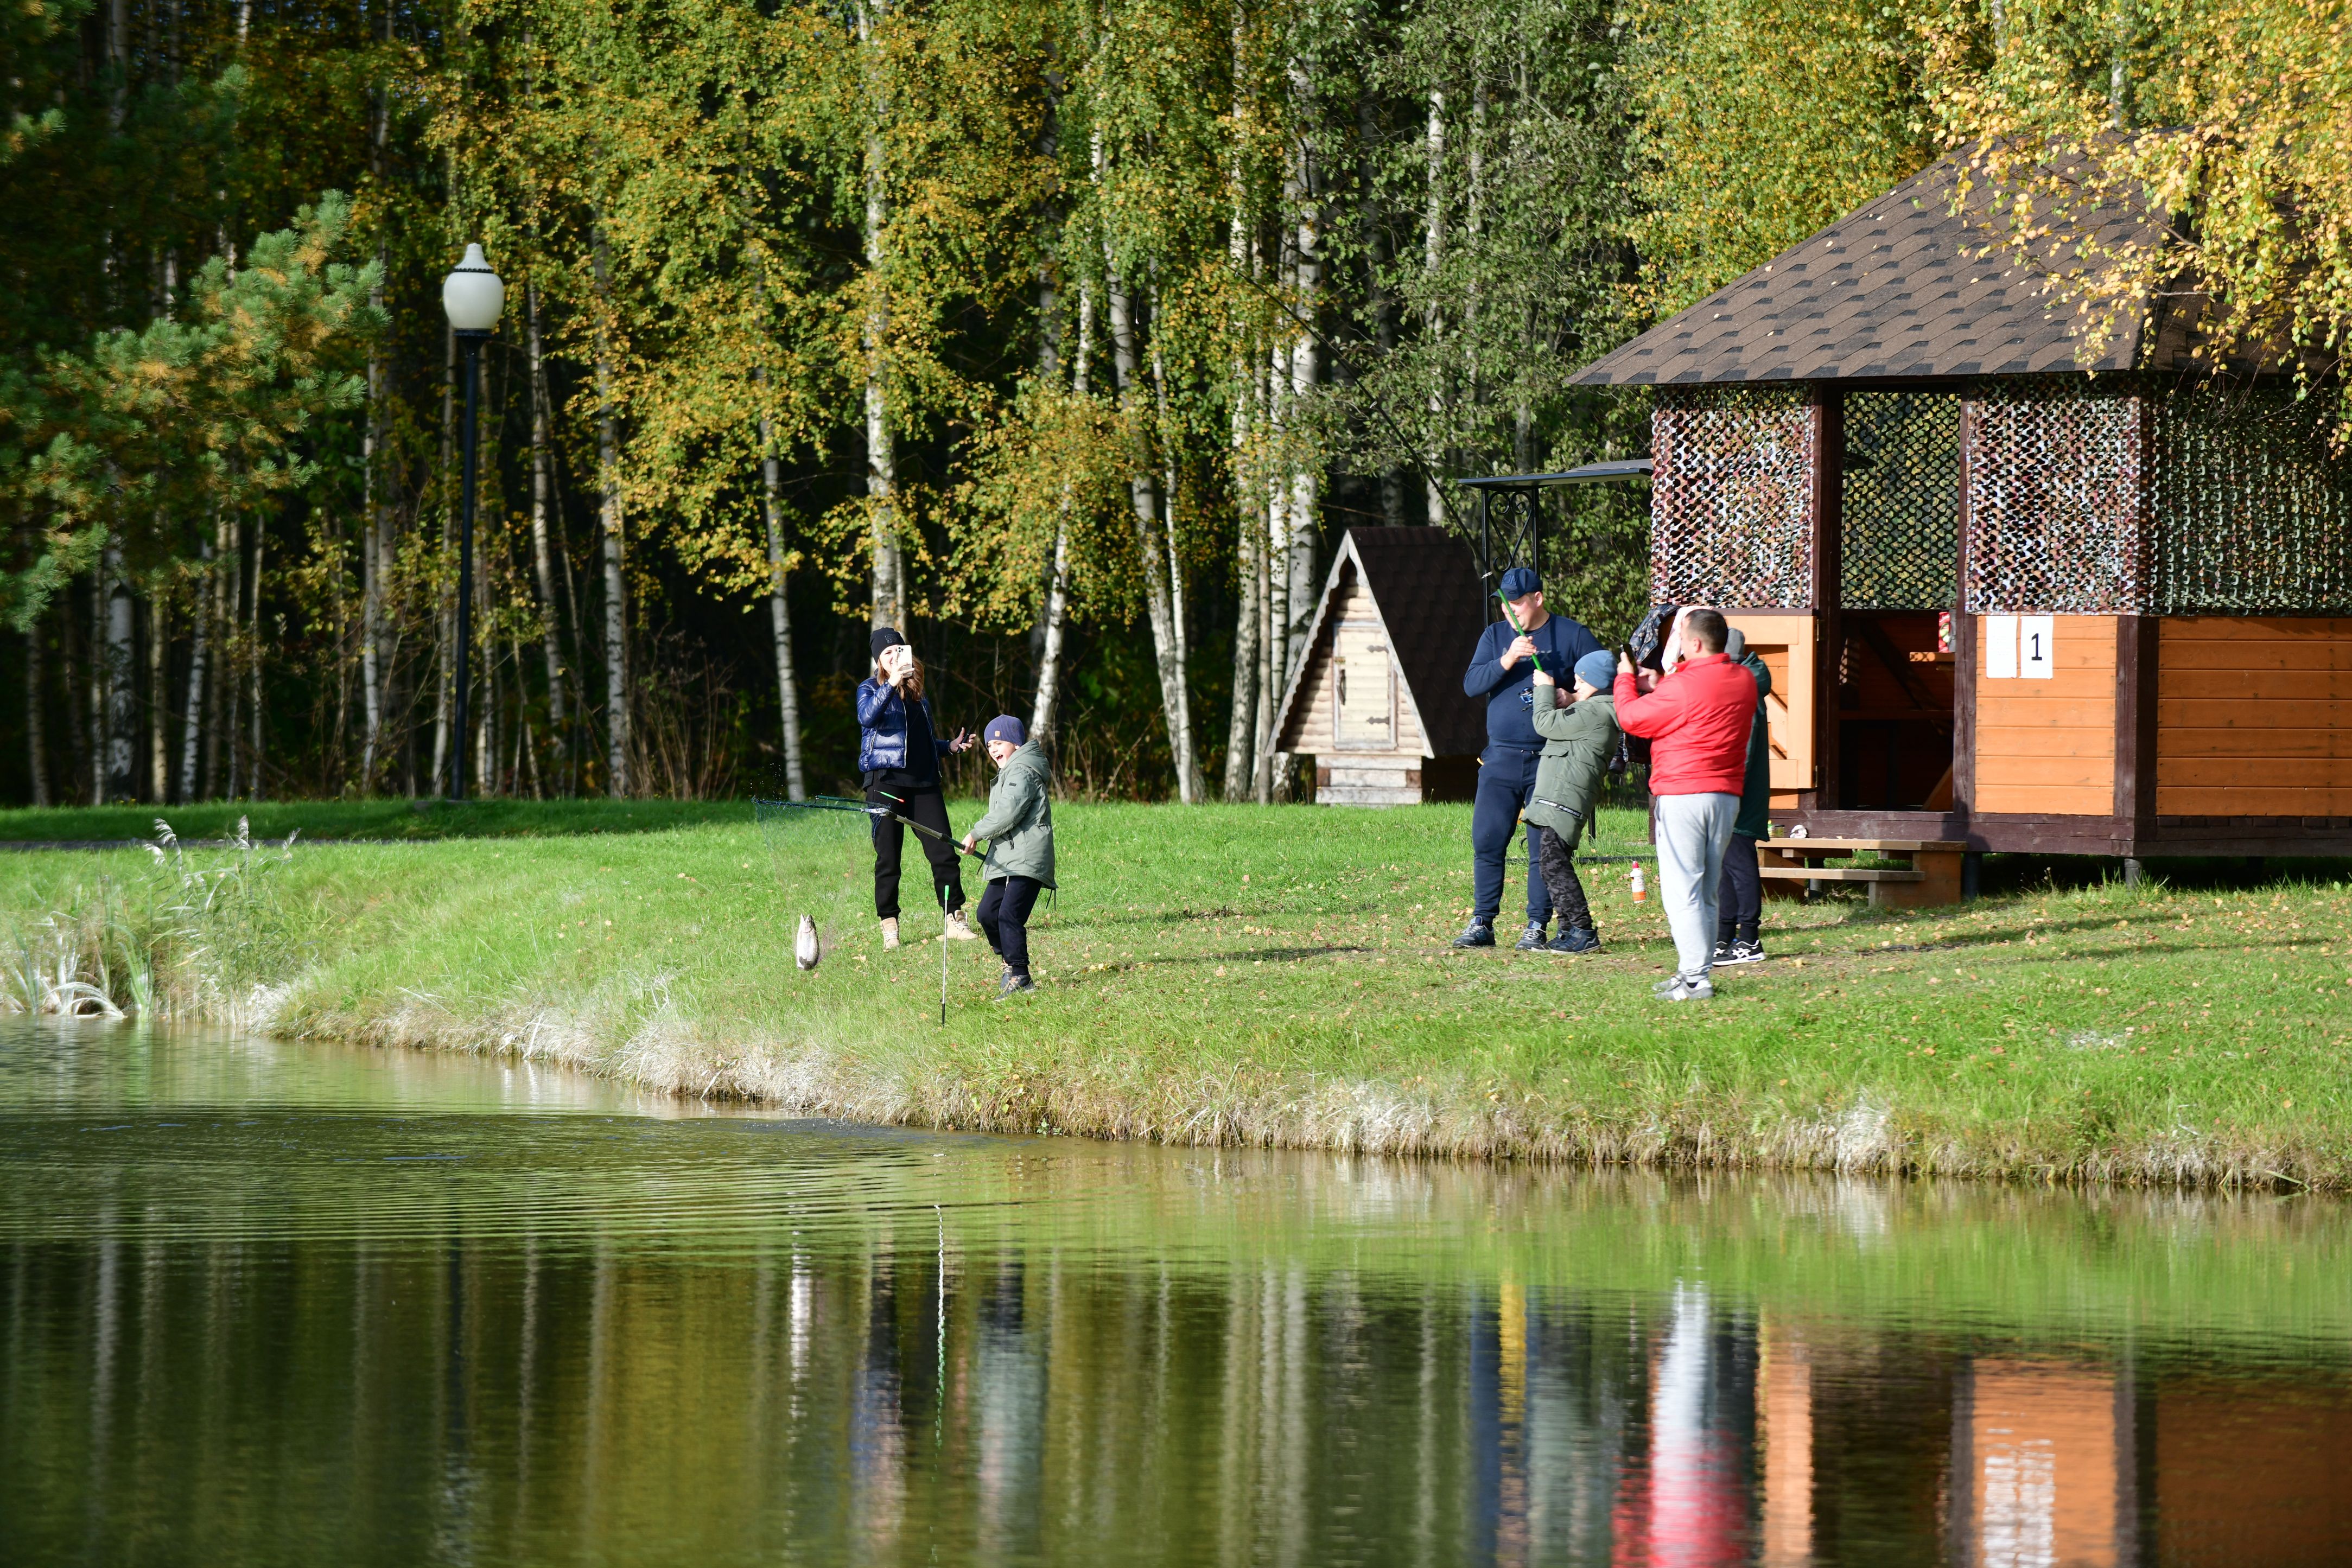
(1693,832)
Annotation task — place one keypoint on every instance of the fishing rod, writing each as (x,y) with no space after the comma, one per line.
(838,803)
(1513,617)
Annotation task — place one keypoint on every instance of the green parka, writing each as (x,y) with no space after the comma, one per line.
(1019,824)
(1579,741)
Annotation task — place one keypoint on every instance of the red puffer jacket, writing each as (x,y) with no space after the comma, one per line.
(1696,723)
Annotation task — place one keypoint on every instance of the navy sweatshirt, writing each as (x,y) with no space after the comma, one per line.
(1559,640)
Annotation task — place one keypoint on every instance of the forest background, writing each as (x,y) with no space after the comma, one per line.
(1067,335)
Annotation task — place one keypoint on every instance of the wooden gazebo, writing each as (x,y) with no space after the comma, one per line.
(2014,599)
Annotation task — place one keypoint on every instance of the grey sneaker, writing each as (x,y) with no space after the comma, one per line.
(1014,985)
(1533,938)
(1689,989)
(1477,933)
(1742,952)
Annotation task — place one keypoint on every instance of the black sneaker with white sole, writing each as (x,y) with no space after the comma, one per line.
(1741,952)
(1477,933)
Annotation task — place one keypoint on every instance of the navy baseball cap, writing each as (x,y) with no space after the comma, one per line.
(1520,581)
(1005,726)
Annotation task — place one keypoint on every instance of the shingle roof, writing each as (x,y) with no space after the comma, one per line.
(1425,583)
(1895,288)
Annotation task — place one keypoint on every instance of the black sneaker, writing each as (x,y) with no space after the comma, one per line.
(1531,940)
(1014,985)
(1722,954)
(1576,939)
(1477,933)
(1742,952)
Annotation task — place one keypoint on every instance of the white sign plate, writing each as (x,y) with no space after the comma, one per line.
(2036,656)
(2001,648)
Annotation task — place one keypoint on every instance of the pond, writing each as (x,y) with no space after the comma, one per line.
(267,1303)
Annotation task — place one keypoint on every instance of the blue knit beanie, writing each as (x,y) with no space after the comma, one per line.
(1597,670)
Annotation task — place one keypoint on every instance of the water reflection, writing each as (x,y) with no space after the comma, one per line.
(282,1335)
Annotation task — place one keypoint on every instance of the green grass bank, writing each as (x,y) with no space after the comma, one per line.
(1280,977)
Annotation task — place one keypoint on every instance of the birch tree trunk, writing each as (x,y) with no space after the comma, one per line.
(608,480)
(36,745)
(253,663)
(1142,487)
(191,723)
(375,528)
(881,455)
(159,698)
(542,498)
(1193,785)
(1241,255)
(779,610)
(1434,320)
(1305,370)
(119,683)
(1043,710)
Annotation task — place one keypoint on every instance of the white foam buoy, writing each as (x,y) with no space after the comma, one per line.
(804,946)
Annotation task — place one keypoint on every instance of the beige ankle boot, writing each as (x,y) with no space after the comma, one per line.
(889,935)
(958,930)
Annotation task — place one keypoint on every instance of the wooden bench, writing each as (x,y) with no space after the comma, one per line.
(1929,874)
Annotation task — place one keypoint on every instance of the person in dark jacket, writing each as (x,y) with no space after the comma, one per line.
(898,751)
(1739,904)
(1579,741)
(1019,828)
(1502,673)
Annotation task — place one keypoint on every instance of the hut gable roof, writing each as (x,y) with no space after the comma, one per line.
(1424,583)
(1895,288)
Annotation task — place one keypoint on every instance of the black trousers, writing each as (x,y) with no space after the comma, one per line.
(1004,918)
(1740,899)
(1557,861)
(919,803)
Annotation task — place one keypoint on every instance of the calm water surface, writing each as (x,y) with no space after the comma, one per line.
(266,1304)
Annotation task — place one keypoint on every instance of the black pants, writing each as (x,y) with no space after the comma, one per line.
(1739,901)
(1506,779)
(1004,918)
(1556,860)
(920,803)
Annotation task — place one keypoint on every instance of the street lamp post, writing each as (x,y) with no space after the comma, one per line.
(473,297)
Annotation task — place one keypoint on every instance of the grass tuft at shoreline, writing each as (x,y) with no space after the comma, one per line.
(1282,978)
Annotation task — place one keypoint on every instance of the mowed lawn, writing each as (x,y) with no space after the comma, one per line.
(1237,972)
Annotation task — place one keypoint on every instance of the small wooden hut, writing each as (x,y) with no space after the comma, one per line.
(2012,599)
(1376,696)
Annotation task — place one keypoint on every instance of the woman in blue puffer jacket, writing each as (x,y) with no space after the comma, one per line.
(898,751)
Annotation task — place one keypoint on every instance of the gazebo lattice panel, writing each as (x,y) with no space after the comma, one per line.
(1900,539)
(1731,497)
(2252,514)
(2054,512)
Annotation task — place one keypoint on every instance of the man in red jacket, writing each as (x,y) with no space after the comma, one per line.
(1696,723)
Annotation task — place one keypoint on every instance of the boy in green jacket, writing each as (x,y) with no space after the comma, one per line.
(1579,741)
(1019,828)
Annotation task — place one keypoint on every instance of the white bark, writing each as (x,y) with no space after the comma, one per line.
(889,584)
(119,682)
(445,594)
(1043,711)
(1433,322)
(1193,783)
(1142,487)
(779,610)
(542,505)
(611,525)
(1241,255)
(199,669)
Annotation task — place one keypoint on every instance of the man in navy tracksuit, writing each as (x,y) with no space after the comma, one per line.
(1503,673)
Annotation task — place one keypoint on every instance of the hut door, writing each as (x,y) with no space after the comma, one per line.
(1363,688)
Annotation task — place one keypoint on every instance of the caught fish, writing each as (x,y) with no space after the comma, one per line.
(804,946)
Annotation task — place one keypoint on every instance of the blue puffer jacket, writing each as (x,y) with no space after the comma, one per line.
(882,726)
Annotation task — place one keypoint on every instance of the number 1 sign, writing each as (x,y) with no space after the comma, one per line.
(2036,657)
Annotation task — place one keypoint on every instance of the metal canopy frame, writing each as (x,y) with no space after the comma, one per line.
(1510,516)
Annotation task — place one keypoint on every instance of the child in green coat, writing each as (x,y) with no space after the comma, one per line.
(1019,828)
(1579,741)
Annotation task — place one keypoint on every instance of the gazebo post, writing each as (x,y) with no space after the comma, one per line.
(1827,461)
(1964,639)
